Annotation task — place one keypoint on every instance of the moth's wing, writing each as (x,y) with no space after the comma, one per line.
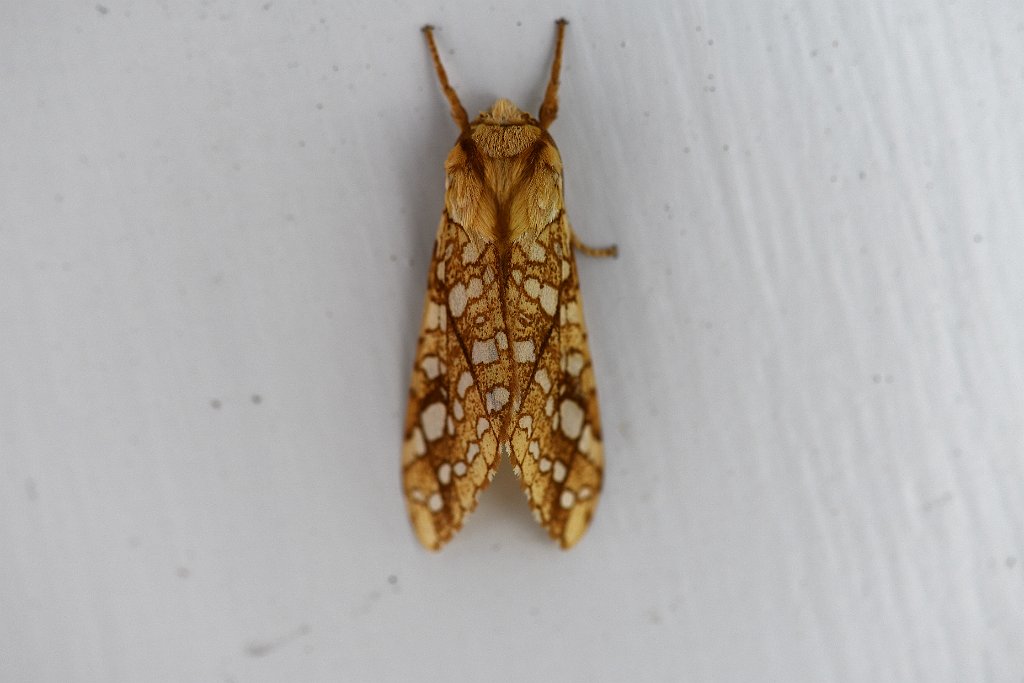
(450,451)
(556,438)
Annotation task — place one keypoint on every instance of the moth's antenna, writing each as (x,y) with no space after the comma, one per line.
(549,109)
(458,113)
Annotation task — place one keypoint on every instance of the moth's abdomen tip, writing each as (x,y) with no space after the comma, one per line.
(562,21)
(427,28)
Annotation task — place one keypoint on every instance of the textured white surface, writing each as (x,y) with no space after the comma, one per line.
(215,220)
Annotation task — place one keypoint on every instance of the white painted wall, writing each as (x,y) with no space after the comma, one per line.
(215,220)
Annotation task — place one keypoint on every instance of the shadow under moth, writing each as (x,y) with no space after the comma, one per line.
(502,367)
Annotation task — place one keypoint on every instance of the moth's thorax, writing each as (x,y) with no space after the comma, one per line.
(504,177)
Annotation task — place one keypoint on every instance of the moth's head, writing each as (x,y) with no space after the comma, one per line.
(504,113)
(504,130)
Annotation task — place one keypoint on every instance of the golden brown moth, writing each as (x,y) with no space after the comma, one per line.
(502,365)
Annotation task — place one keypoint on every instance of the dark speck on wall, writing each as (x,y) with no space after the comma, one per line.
(215,403)
(102,9)
(257,399)
(258,648)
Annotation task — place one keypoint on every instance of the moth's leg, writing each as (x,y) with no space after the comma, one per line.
(596,252)
(549,108)
(458,113)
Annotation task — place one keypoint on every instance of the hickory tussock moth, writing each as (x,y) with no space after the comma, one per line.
(502,366)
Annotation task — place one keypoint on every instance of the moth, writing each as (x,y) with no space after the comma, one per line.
(502,367)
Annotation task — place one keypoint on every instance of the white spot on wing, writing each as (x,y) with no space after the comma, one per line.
(419,446)
(545,465)
(586,441)
(465,381)
(431,318)
(543,380)
(549,299)
(475,289)
(485,351)
(496,399)
(471,452)
(572,313)
(457,299)
(523,351)
(432,419)
(567,499)
(574,364)
(572,418)
(536,252)
(431,366)
(559,472)
(436,502)
(532,287)
(502,340)
(444,474)
(460,468)
(482,425)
